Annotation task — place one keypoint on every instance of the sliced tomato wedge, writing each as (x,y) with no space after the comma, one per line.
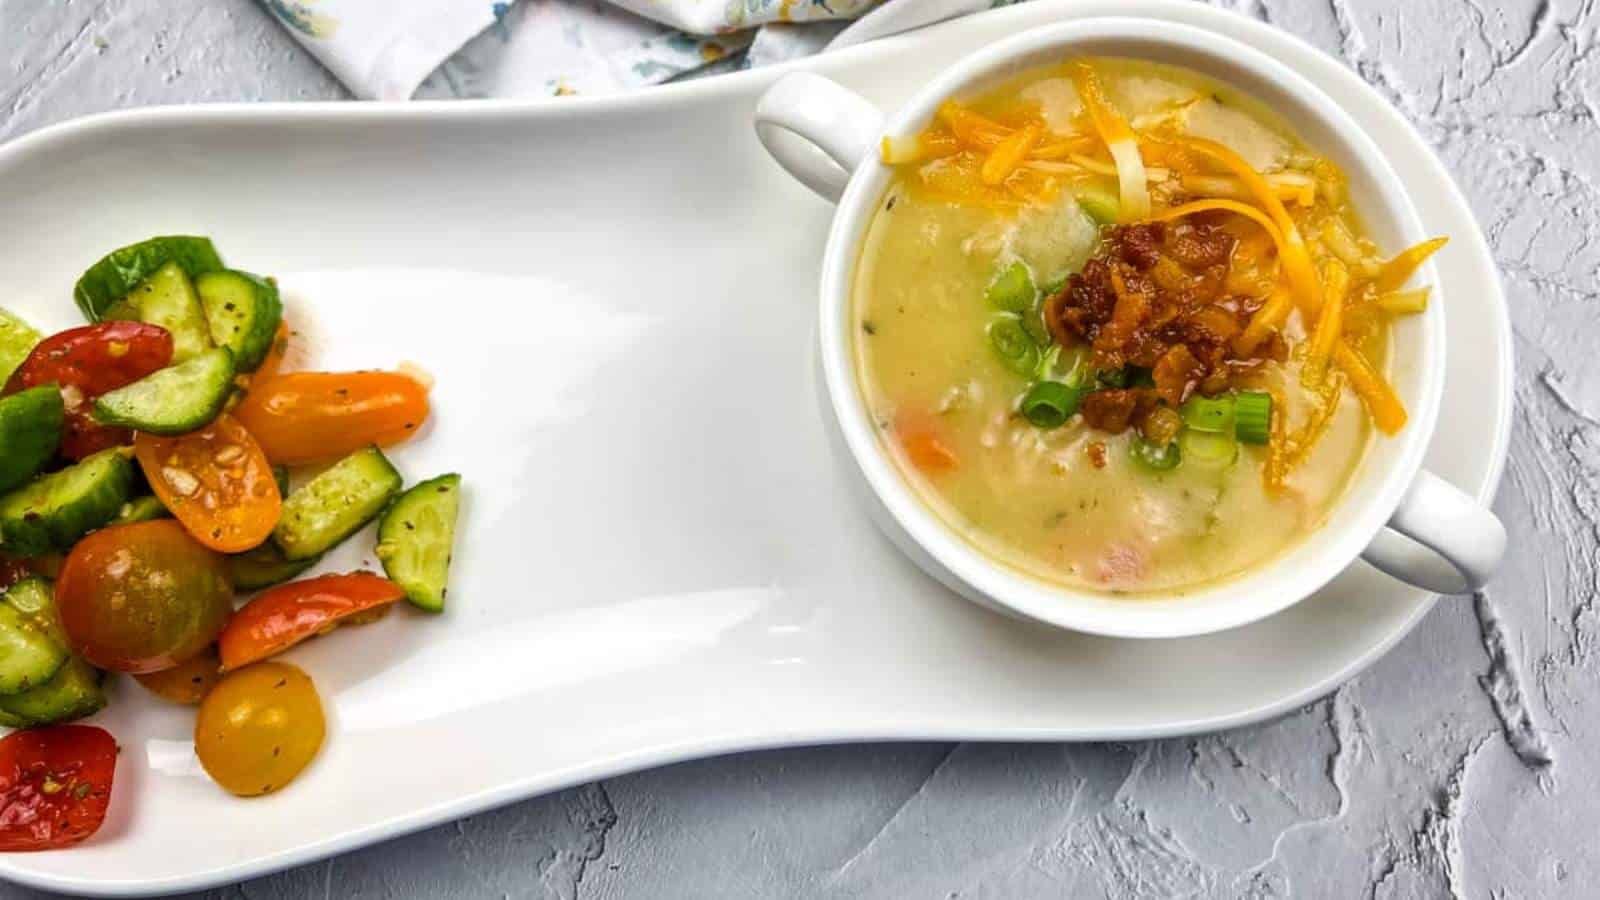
(306,417)
(55,784)
(216,481)
(277,619)
(87,362)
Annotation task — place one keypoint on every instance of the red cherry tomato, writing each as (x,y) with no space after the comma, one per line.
(277,619)
(306,417)
(87,362)
(143,597)
(55,784)
(216,482)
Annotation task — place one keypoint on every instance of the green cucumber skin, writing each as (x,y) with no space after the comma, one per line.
(243,311)
(401,539)
(167,298)
(263,567)
(74,690)
(120,271)
(336,504)
(73,693)
(17,340)
(30,432)
(142,509)
(35,519)
(29,656)
(175,400)
(35,598)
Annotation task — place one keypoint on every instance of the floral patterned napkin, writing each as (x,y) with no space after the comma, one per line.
(397,49)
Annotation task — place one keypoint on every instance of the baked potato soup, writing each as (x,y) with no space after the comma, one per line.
(1121,329)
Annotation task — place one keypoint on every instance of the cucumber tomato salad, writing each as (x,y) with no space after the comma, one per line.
(145,484)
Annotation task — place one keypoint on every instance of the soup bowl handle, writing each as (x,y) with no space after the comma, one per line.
(1467,541)
(836,129)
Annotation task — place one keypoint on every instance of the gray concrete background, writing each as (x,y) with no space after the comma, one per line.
(1463,765)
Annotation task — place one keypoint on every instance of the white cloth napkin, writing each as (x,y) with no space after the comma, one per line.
(397,49)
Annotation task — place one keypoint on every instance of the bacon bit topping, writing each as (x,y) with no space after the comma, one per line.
(1156,296)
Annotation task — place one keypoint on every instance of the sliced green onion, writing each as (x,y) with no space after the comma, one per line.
(1113,378)
(1208,448)
(1072,366)
(1214,414)
(1099,204)
(1012,345)
(1139,376)
(1049,404)
(1033,324)
(1153,457)
(1252,417)
(1012,290)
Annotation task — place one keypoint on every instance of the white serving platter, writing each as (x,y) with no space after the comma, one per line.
(660,557)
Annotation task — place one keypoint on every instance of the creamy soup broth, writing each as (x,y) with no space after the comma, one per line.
(1071,504)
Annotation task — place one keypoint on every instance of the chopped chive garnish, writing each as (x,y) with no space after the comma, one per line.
(1208,448)
(1154,457)
(1049,404)
(1014,348)
(1214,414)
(1252,416)
(1012,290)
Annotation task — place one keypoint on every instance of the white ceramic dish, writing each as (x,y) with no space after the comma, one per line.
(659,559)
(1388,488)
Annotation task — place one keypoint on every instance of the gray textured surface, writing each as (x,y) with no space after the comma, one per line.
(1459,766)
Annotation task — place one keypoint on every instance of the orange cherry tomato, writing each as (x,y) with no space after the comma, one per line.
(216,481)
(143,597)
(277,619)
(273,361)
(306,417)
(55,784)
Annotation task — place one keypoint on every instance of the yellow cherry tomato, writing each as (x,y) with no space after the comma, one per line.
(258,728)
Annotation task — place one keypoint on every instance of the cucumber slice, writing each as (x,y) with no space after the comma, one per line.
(336,504)
(73,693)
(141,509)
(35,598)
(115,276)
(264,567)
(167,298)
(54,511)
(17,340)
(30,431)
(415,538)
(29,657)
(176,400)
(243,311)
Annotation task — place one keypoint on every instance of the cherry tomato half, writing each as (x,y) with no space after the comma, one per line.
(87,362)
(186,683)
(143,597)
(258,728)
(216,481)
(274,359)
(305,417)
(277,619)
(55,784)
